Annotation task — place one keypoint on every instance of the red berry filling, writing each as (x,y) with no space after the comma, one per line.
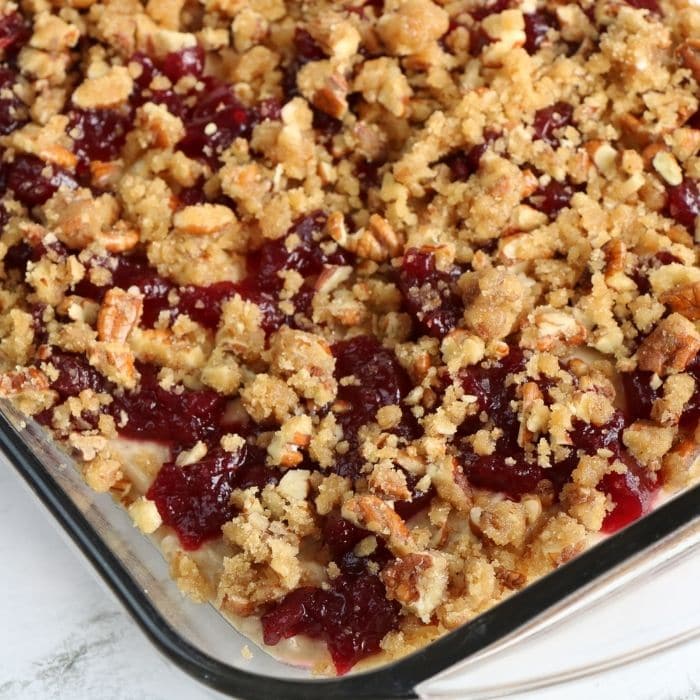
(684,203)
(550,120)
(33,181)
(429,294)
(352,616)
(537,24)
(195,499)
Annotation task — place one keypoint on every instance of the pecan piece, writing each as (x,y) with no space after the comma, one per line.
(119,315)
(418,581)
(670,347)
(689,54)
(377,516)
(684,300)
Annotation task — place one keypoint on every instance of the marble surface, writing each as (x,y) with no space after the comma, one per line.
(63,636)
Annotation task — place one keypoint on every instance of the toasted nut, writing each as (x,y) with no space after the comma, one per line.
(203,219)
(285,448)
(119,314)
(21,380)
(684,299)
(666,165)
(553,327)
(671,346)
(332,97)
(379,517)
(689,54)
(418,581)
(119,239)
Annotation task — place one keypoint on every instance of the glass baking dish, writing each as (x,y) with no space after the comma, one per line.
(202,643)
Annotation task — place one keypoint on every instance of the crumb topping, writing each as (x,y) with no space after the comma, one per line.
(407,291)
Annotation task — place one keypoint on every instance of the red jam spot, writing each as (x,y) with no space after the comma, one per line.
(639,393)
(684,202)
(651,5)
(216,105)
(550,119)
(13,112)
(537,24)
(493,473)
(157,414)
(552,198)
(429,294)
(33,181)
(493,8)
(14,32)
(630,492)
(690,417)
(380,381)
(352,617)
(98,134)
(463,164)
(263,284)
(75,374)
(178,64)
(478,40)
(306,47)
(420,500)
(195,500)
(341,535)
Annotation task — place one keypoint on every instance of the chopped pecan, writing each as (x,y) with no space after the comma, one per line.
(284,449)
(377,242)
(418,581)
(684,300)
(21,380)
(119,314)
(377,516)
(689,54)
(671,346)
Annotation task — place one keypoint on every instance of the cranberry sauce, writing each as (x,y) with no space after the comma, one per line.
(352,616)
(514,473)
(262,284)
(13,112)
(429,294)
(33,181)
(550,119)
(537,24)
(641,395)
(379,381)
(195,499)
(684,203)
(551,198)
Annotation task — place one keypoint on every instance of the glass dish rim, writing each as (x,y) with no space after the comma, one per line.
(394,680)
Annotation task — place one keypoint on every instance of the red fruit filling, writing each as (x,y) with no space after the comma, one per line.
(380,381)
(33,181)
(537,24)
(552,198)
(13,112)
(651,5)
(195,500)
(351,617)
(429,294)
(550,119)
(684,203)
(14,32)
(98,135)
(182,418)
(510,471)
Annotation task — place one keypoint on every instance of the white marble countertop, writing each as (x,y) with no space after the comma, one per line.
(63,636)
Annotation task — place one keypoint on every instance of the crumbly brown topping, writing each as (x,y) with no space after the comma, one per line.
(414,283)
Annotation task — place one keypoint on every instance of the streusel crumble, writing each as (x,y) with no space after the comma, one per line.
(370,311)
